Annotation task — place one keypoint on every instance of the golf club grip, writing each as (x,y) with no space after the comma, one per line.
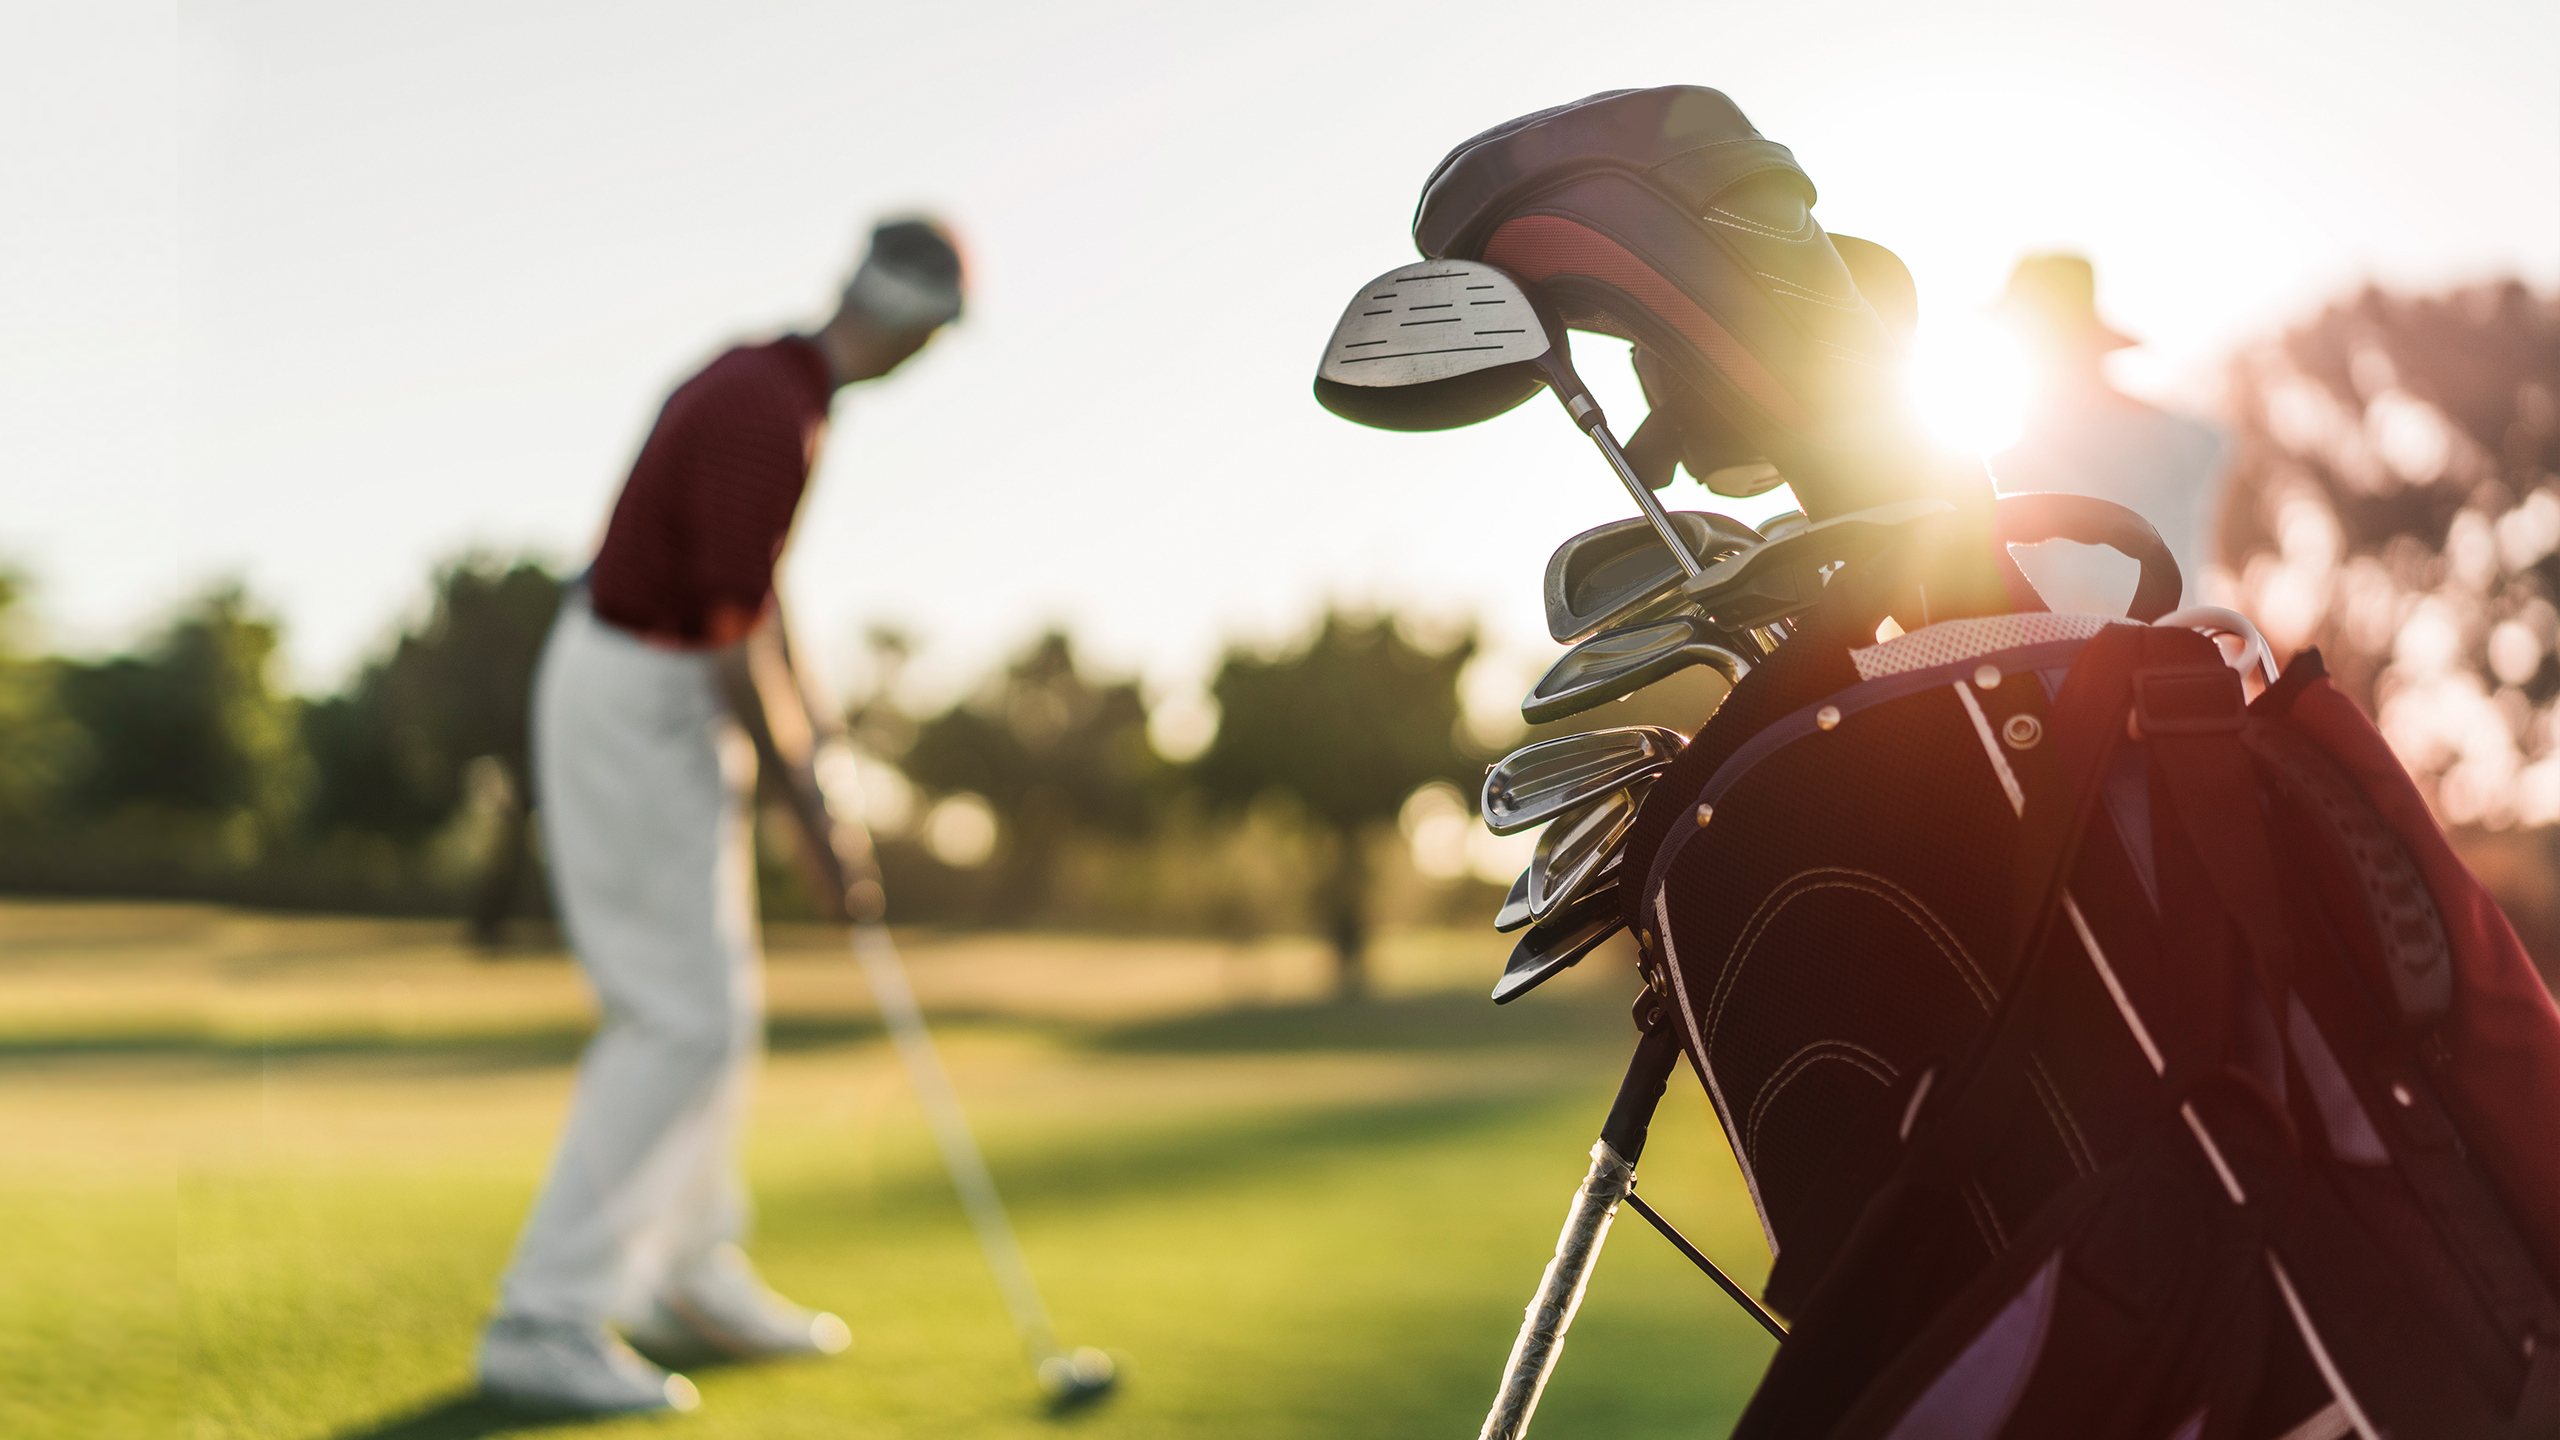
(1550,1312)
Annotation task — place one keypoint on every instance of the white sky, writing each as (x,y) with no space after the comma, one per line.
(317,294)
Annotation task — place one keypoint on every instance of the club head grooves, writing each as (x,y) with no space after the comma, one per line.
(1618,573)
(1536,783)
(1435,345)
(1617,663)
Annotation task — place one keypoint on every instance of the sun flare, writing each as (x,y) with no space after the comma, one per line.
(1970,381)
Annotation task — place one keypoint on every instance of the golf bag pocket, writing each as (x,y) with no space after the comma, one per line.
(2104,1054)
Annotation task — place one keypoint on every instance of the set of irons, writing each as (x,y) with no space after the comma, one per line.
(1444,343)
(1614,594)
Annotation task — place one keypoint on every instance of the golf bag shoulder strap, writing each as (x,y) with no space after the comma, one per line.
(2495,1055)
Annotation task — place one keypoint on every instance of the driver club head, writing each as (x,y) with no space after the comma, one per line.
(1617,663)
(1622,572)
(1536,783)
(1435,345)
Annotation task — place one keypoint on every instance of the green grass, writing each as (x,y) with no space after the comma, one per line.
(260,1175)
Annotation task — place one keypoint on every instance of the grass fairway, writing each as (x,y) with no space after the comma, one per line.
(260,1175)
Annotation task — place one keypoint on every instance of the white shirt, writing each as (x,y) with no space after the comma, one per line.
(2163,467)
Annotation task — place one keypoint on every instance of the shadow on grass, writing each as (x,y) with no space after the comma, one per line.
(1432,1022)
(1438,1021)
(464,1050)
(464,1415)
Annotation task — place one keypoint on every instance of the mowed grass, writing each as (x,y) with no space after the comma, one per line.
(258,1175)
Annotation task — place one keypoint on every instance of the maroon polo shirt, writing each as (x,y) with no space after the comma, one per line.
(688,558)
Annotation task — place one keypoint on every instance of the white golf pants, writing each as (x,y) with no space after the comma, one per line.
(643,783)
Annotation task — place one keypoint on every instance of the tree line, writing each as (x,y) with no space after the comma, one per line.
(179,768)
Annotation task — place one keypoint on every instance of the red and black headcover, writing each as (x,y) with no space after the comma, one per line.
(1661,216)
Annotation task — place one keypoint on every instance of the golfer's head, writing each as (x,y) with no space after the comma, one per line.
(909,285)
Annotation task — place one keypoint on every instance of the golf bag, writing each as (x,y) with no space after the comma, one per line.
(2106,1056)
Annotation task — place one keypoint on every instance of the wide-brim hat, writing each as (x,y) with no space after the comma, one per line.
(2058,294)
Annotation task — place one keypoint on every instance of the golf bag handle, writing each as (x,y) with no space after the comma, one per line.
(2051,515)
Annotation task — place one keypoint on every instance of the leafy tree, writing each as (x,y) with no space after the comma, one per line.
(1053,751)
(393,751)
(191,724)
(2395,500)
(40,746)
(1347,727)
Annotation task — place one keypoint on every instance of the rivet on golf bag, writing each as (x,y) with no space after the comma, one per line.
(1986,677)
(1827,716)
(2022,732)
(1705,814)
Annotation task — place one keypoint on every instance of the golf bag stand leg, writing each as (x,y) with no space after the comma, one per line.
(1586,1228)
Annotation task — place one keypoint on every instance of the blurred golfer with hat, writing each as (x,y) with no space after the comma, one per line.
(2086,437)
(666,685)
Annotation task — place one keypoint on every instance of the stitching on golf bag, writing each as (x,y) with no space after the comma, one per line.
(2066,1125)
(1845,353)
(1977,1207)
(1794,1068)
(1801,235)
(1796,887)
(1791,287)
(1800,723)
(1707,1072)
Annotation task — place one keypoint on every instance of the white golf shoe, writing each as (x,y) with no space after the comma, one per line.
(719,1308)
(561,1365)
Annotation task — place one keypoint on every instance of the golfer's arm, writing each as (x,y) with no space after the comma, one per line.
(763,691)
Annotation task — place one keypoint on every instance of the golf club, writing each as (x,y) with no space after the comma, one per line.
(1515,906)
(1575,848)
(1068,1377)
(1536,783)
(1617,663)
(1551,948)
(1444,343)
(1618,573)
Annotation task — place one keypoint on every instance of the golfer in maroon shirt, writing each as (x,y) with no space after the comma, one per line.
(665,684)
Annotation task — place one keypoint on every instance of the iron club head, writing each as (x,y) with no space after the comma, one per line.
(1550,949)
(1576,849)
(1538,782)
(1515,907)
(1621,572)
(1617,663)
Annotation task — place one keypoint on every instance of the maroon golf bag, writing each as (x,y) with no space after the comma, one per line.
(2109,1053)
(2106,1056)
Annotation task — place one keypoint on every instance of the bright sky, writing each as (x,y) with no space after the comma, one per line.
(317,294)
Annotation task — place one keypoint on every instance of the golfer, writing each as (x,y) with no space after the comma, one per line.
(664,684)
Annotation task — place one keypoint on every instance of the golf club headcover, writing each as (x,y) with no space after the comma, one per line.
(1661,216)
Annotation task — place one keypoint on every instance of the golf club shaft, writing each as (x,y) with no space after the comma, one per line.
(897,1001)
(1651,507)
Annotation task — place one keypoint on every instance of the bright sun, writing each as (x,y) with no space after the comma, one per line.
(1970,381)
